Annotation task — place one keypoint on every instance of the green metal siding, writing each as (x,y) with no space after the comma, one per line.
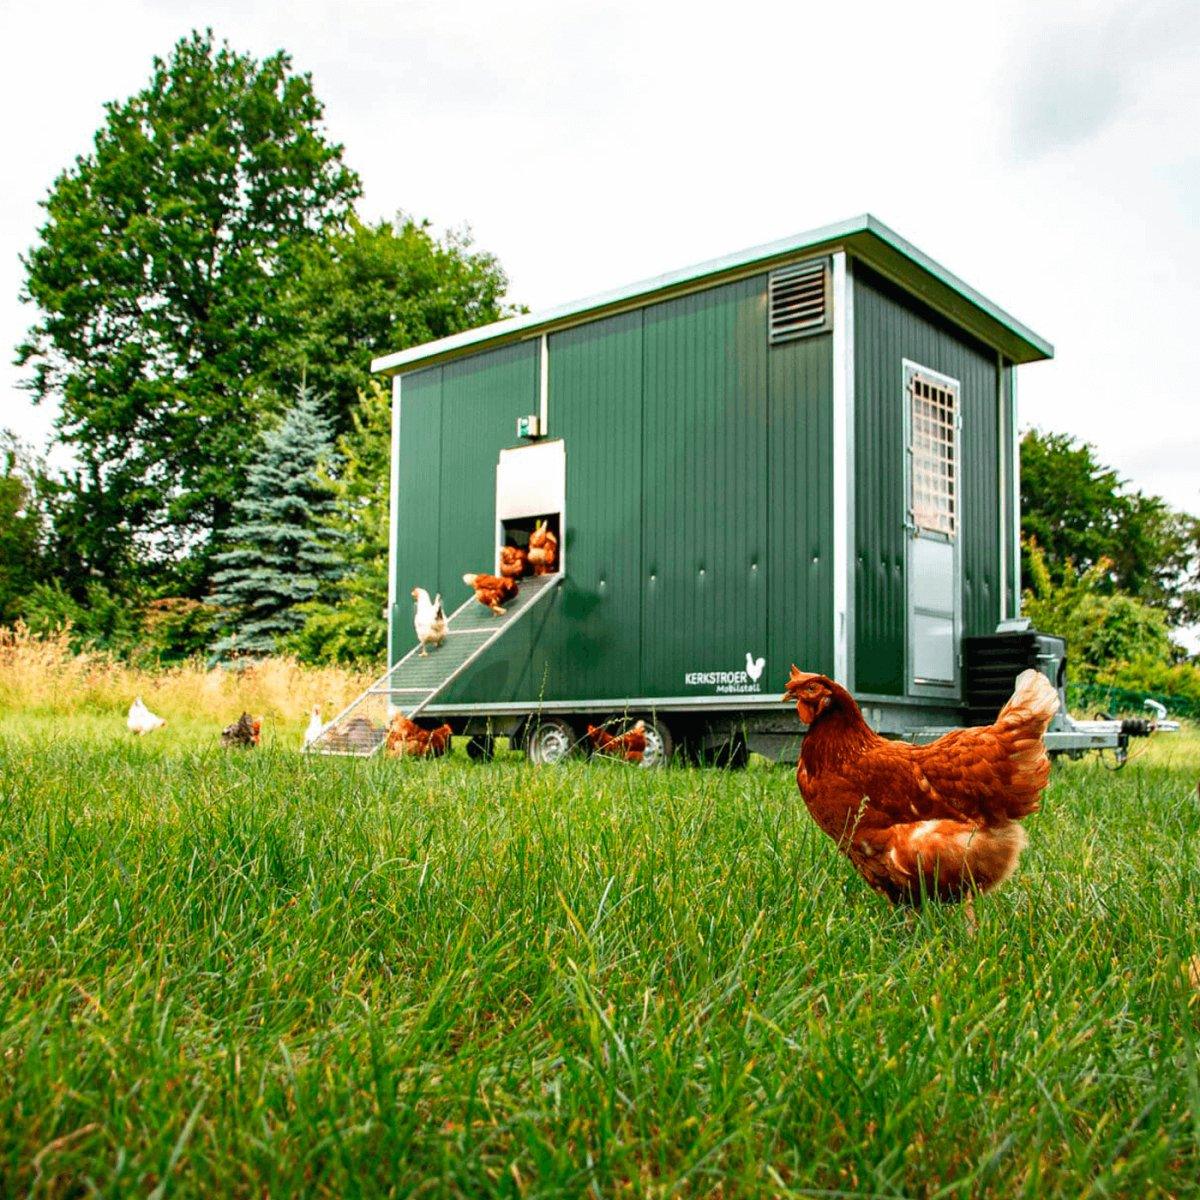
(698,516)
(482,398)
(454,421)
(800,508)
(596,408)
(890,326)
(418,497)
(1012,556)
(704,459)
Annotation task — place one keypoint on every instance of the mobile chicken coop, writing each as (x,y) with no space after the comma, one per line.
(803,452)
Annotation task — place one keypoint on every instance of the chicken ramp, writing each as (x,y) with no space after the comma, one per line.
(360,729)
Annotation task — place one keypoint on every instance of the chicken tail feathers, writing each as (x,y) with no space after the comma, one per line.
(469,580)
(1021,724)
(1034,702)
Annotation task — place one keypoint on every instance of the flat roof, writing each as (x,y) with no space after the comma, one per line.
(865,236)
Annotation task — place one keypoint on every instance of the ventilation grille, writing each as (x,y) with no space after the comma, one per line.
(800,300)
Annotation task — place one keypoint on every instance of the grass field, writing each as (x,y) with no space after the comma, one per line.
(249,974)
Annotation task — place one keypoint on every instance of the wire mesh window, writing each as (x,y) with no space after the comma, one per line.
(933,416)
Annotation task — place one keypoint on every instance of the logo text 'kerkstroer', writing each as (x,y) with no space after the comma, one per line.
(729,682)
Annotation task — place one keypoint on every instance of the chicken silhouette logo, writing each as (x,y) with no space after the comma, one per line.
(730,682)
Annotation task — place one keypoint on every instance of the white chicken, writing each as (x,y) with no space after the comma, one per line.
(141,719)
(429,621)
(315,726)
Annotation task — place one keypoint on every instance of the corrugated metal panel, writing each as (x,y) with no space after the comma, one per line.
(800,508)
(482,397)
(704,456)
(454,421)
(890,326)
(593,646)
(698,511)
(1011,556)
(419,497)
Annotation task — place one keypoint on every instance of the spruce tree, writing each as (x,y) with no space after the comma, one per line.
(282,552)
(344,622)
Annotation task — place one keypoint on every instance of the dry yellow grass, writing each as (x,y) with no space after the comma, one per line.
(42,675)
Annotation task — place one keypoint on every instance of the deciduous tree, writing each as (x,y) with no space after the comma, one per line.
(372,289)
(22,526)
(1080,513)
(157,276)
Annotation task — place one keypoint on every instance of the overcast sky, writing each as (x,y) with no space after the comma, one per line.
(1047,152)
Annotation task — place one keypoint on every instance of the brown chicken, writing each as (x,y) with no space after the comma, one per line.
(918,822)
(406,738)
(492,590)
(245,731)
(514,562)
(543,550)
(630,745)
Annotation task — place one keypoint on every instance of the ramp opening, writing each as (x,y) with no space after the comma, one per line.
(517,532)
(530,490)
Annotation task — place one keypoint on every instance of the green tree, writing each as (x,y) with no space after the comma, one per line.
(280,556)
(1080,513)
(1104,629)
(372,289)
(22,526)
(156,274)
(345,622)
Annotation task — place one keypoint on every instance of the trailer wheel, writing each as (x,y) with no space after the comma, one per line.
(732,753)
(660,745)
(481,747)
(549,740)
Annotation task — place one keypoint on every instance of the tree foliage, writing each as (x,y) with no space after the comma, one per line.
(1103,628)
(21,527)
(280,557)
(372,289)
(345,622)
(1080,514)
(157,275)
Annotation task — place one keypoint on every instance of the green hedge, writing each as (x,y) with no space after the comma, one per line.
(1088,699)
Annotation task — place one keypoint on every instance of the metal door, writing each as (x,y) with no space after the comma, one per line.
(932,421)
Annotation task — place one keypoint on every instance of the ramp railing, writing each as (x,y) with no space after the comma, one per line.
(360,729)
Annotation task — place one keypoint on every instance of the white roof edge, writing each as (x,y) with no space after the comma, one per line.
(864,223)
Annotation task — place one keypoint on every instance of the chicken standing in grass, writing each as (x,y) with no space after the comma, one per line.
(924,822)
(245,732)
(630,745)
(429,620)
(315,726)
(406,738)
(492,590)
(141,719)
